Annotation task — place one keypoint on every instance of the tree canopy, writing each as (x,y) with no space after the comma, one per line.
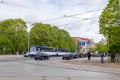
(47,35)
(102,48)
(13,35)
(109,23)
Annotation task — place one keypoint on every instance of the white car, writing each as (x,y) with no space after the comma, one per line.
(27,54)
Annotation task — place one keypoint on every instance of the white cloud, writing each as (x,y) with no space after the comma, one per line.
(45,10)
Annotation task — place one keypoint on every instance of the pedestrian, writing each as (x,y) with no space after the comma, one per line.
(102,57)
(89,55)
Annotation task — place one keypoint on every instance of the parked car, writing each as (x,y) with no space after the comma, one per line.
(27,54)
(41,56)
(67,56)
(76,55)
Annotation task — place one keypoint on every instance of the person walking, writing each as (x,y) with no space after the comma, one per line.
(89,55)
(102,57)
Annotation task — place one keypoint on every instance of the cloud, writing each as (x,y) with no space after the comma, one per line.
(16,2)
(53,11)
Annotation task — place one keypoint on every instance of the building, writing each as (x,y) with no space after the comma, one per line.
(83,45)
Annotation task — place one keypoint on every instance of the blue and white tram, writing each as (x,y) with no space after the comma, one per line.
(50,51)
(63,51)
(44,49)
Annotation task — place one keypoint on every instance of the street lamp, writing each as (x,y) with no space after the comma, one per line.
(28,41)
(29,29)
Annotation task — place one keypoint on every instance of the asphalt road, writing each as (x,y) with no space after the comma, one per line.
(20,68)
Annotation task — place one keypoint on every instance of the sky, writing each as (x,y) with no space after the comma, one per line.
(79,17)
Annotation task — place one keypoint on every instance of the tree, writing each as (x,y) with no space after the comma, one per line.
(102,48)
(52,36)
(110,25)
(5,45)
(14,30)
(92,50)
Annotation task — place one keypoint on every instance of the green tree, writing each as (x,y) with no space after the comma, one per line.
(102,48)
(110,25)
(47,35)
(5,45)
(92,50)
(14,30)
(65,40)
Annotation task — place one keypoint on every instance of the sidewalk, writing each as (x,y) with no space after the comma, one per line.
(3,57)
(94,62)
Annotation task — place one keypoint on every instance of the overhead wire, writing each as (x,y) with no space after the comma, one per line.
(35,9)
(83,12)
(53,19)
(85,19)
(58,18)
(67,16)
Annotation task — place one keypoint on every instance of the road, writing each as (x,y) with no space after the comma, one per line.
(20,68)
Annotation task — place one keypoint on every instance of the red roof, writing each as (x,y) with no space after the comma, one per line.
(80,38)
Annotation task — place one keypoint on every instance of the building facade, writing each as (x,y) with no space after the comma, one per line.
(83,45)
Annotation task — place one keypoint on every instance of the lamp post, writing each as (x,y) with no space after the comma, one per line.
(28,41)
(29,29)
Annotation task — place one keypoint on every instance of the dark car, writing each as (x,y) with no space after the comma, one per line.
(76,55)
(41,56)
(67,56)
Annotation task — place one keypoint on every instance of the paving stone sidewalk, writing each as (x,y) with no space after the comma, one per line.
(93,62)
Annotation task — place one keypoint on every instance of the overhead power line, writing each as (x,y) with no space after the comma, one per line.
(73,15)
(53,19)
(77,21)
(35,9)
(57,18)
(83,12)
(3,2)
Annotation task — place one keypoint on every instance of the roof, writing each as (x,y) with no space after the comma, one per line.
(81,39)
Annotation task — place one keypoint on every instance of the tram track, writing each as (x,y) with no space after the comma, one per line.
(58,64)
(52,64)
